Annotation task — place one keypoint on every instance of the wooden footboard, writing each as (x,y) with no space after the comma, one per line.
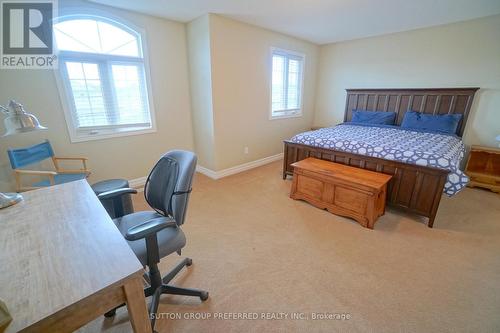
(414,188)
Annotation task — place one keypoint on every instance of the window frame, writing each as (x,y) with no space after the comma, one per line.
(287,113)
(77,134)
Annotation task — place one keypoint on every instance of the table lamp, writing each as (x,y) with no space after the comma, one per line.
(17,121)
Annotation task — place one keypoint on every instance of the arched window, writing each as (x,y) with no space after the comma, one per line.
(104,78)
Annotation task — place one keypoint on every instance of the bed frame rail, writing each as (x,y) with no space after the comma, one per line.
(414,188)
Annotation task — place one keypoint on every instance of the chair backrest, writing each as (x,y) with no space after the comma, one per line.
(25,156)
(168,185)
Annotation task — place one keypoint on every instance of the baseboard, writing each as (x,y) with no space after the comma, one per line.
(238,168)
(138,183)
(207,172)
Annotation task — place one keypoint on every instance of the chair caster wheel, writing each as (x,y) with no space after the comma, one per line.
(189,262)
(110,313)
(204,296)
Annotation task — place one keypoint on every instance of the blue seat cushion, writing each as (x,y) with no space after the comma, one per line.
(61,179)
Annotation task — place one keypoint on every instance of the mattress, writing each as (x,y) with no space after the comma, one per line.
(443,151)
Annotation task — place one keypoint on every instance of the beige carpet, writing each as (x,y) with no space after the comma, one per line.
(257,251)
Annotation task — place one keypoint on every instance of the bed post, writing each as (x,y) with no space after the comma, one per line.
(437,199)
(285,159)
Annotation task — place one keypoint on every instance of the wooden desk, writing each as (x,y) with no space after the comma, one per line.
(64,263)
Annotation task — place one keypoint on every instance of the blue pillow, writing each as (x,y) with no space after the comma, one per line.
(373,117)
(445,123)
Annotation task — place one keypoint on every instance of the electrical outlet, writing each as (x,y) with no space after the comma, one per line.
(245,150)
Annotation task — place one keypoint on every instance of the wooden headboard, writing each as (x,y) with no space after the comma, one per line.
(432,100)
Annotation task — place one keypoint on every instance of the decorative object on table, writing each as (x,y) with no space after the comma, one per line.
(22,157)
(483,168)
(341,189)
(498,140)
(5,317)
(115,206)
(9,199)
(17,121)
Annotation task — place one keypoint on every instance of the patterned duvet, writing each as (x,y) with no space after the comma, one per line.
(392,143)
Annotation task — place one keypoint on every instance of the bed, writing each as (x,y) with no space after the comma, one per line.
(423,165)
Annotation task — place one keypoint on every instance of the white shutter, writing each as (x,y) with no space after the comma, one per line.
(130,103)
(278,83)
(108,95)
(294,84)
(286,87)
(88,95)
(103,71)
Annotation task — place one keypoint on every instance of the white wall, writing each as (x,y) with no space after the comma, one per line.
(125,157)
(465,54)
(241,74)
(200,78)
(230,72)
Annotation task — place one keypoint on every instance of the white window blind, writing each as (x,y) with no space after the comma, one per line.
(102,68)
(286,87)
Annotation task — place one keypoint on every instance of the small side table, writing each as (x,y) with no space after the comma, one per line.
(114,207)
(483,168)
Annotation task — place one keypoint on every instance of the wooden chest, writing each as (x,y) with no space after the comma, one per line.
(341,189)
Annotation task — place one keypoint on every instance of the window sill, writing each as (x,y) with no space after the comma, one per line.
(284,116)
(82,137)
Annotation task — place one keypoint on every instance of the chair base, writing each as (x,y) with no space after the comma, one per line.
(165,288)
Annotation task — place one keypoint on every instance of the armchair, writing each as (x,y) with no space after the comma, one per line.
(23,157)
(153,235)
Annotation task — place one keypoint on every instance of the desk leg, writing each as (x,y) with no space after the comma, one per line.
(136,305)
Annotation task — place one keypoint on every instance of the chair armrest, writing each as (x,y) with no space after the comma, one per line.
(35,172)
(116,193)
(149,228)
(71,158)
(81,159)
(73,171)
(21,172)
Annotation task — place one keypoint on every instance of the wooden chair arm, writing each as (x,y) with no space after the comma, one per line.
(35,172)
(87,171)
(60,170)
(20,172)
(71,158)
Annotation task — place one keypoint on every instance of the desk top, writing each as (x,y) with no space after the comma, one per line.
(347,173)
(57,247)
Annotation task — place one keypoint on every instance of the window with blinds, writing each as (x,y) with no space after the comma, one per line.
(286,83)
(103,74)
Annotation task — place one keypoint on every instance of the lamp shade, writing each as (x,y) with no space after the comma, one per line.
(19,121)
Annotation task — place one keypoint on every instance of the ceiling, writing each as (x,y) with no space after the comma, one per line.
(322,21)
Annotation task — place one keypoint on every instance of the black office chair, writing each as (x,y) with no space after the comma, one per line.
(155,234)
